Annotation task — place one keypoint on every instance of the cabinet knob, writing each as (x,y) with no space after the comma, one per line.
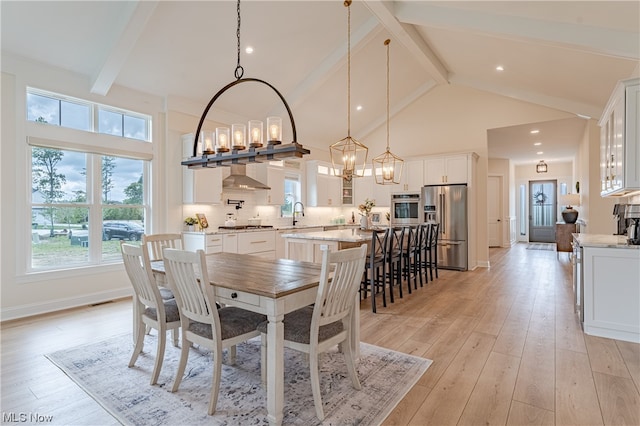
(234,295)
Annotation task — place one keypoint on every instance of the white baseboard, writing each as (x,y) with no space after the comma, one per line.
(482,264)
(61,304)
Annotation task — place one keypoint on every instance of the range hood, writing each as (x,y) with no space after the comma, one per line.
(239,181)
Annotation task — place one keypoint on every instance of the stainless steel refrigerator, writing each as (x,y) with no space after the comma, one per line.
(447,205)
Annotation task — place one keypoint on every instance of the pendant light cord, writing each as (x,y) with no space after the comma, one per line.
(347,3)
(387,42)
(239,72)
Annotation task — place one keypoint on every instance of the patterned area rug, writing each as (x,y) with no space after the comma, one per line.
(542,246)
(101,370)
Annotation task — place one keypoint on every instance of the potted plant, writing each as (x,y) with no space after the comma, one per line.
(190,222)
(365,212)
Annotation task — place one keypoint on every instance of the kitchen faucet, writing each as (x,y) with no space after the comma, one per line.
(295,211)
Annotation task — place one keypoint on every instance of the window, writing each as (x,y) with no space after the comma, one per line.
(63,207)
(523,210)
(60,110)
(86,196)
(292,194)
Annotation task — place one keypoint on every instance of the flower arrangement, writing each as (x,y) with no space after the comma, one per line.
(190,221)
(365,209)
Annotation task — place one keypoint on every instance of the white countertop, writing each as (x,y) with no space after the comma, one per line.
(214,230)
(344,235)
(603,240)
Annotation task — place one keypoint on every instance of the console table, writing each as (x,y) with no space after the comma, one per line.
(563,237)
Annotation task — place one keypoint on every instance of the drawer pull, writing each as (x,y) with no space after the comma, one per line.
(234,295)
(258,242)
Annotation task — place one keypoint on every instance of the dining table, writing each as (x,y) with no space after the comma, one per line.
(272,287)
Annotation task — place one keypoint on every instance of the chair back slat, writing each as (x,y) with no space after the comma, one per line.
(335,299)
(139,272)
(156,243)
(187,276)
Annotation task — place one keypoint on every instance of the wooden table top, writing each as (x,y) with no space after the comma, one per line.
(271,278)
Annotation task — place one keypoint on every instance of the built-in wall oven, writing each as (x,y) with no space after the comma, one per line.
(406,208)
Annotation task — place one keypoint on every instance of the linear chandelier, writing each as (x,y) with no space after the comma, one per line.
(224,147)
(387,167)
(348,154)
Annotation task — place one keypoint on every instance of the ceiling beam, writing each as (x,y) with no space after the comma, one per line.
(408,36)
(562,104)
(591,39)
(131,30)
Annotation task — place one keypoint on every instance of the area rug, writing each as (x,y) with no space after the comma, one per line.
(542,246)
(101,370)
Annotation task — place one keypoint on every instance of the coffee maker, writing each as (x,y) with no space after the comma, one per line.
(632,214)
(621,220)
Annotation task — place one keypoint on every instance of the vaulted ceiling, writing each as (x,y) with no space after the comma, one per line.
(563,55)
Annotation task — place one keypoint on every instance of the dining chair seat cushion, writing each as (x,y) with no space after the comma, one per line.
(165,293)
(297,327)
(233,322)
(170,310)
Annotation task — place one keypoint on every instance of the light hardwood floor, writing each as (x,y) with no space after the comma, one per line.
(505,344)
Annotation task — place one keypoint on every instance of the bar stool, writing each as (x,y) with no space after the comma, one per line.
(376,268)
(410,241)
(432,249)
(395,239)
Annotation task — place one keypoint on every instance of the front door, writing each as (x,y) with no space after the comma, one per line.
(542,211)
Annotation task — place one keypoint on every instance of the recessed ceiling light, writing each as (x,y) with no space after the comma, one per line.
(499,68)
(249,50)
(359,107)
(539,152)
(537,144)
(535,131)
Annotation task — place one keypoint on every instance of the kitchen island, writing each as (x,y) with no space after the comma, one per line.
(305,246)
(607,286)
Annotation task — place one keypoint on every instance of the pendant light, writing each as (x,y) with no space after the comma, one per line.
(541,167)
(348,156)
(241,146)
(387,167)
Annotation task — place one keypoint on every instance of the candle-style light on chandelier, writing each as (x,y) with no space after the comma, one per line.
(387,167)
(348,156)
(242,143)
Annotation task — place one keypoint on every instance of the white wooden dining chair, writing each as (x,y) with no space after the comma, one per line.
(150,309)
(158,242)
(315,329)
(155,243)
(202,323)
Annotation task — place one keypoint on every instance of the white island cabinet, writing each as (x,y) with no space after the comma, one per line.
(210,243)
(611,287)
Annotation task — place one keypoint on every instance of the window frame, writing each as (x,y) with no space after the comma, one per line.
(94,145)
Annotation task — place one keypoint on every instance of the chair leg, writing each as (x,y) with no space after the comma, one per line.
(184,356)
(215,382)
(139,342)
(232,355)
(175,336)
(162,338)
(372,287)
(315,384)
(351,362)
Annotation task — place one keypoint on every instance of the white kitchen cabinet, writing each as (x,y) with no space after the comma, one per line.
(261,243)
(210,243)
(272,176)
(230,243)
(450,169)
(620,140)
(412,177)
(611,292)
(324,189)
(199,186)
(280,246)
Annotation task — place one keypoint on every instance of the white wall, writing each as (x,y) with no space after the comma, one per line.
(23,294)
